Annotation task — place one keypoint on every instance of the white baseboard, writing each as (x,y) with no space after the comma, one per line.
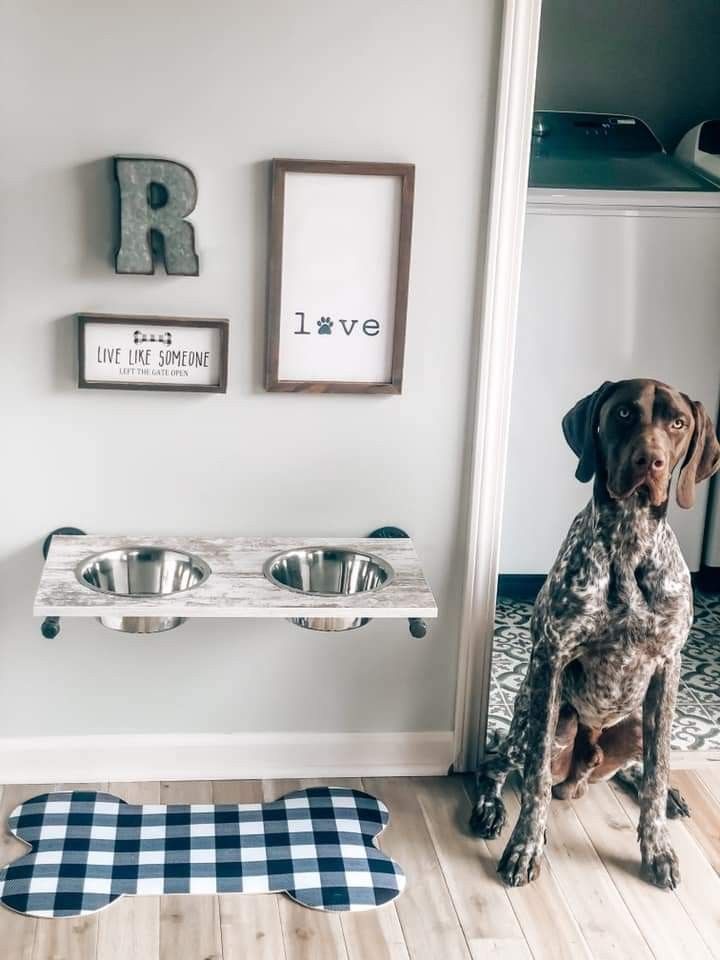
(113,757)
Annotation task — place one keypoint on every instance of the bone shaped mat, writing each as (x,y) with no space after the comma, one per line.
(90,848)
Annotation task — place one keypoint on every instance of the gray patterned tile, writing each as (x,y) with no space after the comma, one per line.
(707,608)
(700,670)
(703,635)
(497,699)
(498,725)
(510,610)
(508,672)
(687,695)
(512,640)
(691,731)
(499,714)
(712,708)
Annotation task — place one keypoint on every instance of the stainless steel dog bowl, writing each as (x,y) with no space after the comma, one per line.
(142,572)
(328,572)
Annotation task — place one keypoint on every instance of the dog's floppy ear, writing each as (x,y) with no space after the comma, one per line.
(702,458)
(580,427)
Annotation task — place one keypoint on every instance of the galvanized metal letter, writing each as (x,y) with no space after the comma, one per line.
(155,197)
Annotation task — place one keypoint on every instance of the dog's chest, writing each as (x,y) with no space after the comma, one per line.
(637,626)
(617,604)
(607,684)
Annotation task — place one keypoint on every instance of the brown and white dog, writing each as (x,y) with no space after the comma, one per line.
(607,628)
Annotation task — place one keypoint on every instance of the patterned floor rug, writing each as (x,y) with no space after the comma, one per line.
(88,849)
(697,717)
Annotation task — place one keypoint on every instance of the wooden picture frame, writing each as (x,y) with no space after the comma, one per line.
(390,212)
(134,338)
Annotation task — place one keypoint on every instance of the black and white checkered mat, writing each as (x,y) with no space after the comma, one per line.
(90,848)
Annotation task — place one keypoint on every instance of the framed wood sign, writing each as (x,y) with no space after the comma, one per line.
(152,353)
(340,237)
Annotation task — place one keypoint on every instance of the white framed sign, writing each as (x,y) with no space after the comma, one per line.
(339,263)
(152,353)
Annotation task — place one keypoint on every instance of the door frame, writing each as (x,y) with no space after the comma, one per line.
(493,354)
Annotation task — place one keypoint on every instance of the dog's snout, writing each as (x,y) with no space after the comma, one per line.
(649,454)
(646,459)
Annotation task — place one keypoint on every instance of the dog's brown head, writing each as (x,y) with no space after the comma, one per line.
(633,433)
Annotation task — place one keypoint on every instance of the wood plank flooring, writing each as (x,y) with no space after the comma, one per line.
(589,901)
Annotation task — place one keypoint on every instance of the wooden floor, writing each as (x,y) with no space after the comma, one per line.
(588,902)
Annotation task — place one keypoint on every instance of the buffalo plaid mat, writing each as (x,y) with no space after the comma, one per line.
(88,849)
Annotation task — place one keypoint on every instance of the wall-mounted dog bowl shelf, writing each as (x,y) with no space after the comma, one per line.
(149,584)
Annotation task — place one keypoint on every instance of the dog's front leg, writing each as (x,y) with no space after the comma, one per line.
(659,862)
(520,862)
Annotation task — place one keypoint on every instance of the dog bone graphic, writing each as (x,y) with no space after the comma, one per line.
(88,849)
(140,337)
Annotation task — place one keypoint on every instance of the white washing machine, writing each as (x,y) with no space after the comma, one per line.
(699,150)
(711,551)
(620,278)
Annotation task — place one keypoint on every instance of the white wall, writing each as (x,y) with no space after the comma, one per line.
(223,88)
(657,59)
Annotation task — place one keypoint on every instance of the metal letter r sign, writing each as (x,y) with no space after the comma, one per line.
(155,197)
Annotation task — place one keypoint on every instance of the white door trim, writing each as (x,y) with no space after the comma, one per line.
(494,352)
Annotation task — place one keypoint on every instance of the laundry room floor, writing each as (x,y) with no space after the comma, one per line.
(589,901)
(697,716)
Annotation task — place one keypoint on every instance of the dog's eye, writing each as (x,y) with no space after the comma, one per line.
(623,413)
(678,423)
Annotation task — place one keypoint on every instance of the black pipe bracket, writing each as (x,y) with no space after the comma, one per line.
(50,626)
(418,627)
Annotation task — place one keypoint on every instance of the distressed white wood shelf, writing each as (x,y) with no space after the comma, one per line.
(237,586)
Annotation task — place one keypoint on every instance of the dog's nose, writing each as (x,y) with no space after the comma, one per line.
(649,460)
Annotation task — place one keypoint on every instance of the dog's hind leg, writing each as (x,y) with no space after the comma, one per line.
(630,779)
(622,753)
(576,763)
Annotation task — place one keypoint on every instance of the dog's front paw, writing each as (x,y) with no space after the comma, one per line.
(660,866)
(676,804)
(521,861)
(488,816)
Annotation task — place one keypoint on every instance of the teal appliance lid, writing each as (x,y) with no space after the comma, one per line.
(596,151)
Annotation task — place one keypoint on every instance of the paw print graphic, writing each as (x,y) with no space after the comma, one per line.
(325,325)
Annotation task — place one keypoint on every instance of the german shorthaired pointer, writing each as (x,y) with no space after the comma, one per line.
(607,629)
